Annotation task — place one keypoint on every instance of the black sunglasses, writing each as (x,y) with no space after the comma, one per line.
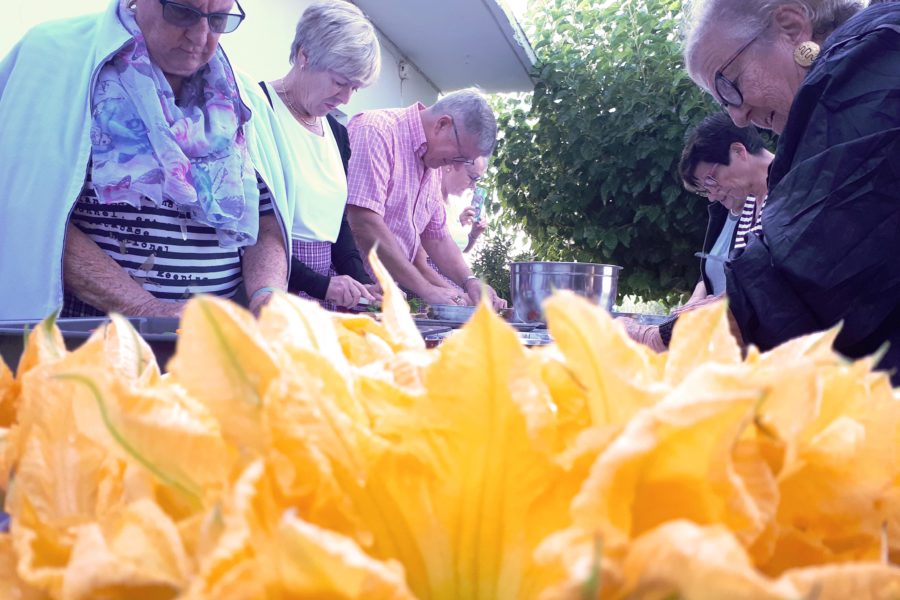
(181,15)
(726,89)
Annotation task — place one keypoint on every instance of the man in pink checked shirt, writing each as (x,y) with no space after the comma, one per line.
(394,181)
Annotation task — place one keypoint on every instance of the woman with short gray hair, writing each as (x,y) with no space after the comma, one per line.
(335,52)
(824,74)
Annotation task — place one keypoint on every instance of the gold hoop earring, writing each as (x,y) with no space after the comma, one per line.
(806,53)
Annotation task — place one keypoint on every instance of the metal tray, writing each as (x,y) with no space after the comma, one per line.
(456,324)
(529,338)
(159,332)
(459,314)
(642,318)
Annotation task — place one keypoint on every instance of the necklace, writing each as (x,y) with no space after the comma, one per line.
(309,123)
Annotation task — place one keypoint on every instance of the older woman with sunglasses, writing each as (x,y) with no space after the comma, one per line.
(334,53)
(133,177)
(825,75)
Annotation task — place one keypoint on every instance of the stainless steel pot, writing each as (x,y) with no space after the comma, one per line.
(530,283)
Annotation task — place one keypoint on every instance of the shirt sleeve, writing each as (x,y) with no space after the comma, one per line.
(304,279)
(436,228)
(369,168)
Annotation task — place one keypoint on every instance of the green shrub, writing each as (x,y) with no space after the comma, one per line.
(587,164)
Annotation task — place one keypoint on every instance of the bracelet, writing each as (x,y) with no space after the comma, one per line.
(468,279)
(263,290)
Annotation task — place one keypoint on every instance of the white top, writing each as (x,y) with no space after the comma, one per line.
(322,192)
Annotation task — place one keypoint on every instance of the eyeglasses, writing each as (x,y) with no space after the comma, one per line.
(727,90)
(459,159)
(709,183)
(181,15)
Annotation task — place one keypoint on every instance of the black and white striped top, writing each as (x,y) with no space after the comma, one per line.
(748,222)
(172,257)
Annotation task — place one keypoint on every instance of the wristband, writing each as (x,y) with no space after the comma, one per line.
(263,290)
(468,279)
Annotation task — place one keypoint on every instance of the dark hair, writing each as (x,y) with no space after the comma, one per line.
(711,141)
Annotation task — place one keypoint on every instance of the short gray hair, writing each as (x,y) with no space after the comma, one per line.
(743,19)
(472,113)
(336,35)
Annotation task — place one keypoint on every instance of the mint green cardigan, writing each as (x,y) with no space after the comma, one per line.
(45,86)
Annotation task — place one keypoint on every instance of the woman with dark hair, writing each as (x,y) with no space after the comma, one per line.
(728,165)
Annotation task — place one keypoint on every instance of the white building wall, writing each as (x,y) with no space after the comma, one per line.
(259,47)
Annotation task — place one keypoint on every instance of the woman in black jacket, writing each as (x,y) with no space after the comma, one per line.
(826,76)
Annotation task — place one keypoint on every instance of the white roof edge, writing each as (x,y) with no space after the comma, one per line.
(514,34)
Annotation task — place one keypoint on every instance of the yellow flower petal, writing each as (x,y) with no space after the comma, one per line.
(9,395)
(700,337)
(394,309)
(44,344)
(468,488)
(673,461)
(841,582)
(316,563)
(13,588)
(620,375)
(223,361)
(136,553)
(681,559)
(267,551)
(299,328)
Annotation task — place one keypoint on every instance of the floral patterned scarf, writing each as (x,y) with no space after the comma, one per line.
(194,153)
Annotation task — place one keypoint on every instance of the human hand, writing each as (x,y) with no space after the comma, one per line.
(375,291)
(695,303)
(467,216)
(473,289)
(647,335)
(345,291)
(437,294)
(154,307)
(478,228)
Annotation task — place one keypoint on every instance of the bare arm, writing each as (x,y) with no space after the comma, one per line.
(421,262)
(95,278)
(699,292)
(368,228)
(449,259)
(478,228)
(265,263)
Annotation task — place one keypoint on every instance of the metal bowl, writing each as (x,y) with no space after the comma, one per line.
(643,318)
(530,283)
(450,312)
(458,314)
